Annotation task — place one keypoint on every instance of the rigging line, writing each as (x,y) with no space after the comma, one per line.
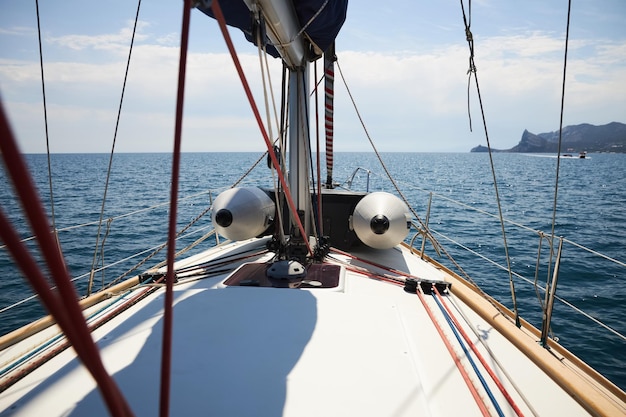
(254,165)
(472,68)
(372,263)
(231,259)
(396,271)
(558,155)
(284,116)
(369,274)
(279,208)
(261,50)
(593,252)
(106,235)
(397,188)
(457,361)
(514,223)
(121,216)
(493,170)
(309,155)
(45,119)
(469,358)
(379,157)
(224,261)
(478,288)
(501,368)
(166,355)
(279,229)
(281,124)
(79,277)
(222,23)
(117,122)
(63,303)
(318,157)
(537,267)
(454,322)
(305,27)
(55,345)
(269,82)
(195,243)
(157,249)
(406,274)
(263,54)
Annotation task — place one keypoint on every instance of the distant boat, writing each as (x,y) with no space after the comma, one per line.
(581,155)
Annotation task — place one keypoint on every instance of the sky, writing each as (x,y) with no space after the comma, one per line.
(404,61)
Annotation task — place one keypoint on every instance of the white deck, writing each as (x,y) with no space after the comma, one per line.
(367,349)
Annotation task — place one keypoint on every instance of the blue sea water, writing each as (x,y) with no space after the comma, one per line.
(590,212)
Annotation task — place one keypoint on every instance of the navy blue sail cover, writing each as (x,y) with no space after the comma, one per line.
(322,30)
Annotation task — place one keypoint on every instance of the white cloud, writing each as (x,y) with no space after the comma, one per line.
(107,41)
(18,31)
(415,97)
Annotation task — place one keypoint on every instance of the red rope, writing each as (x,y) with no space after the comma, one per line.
(377,265)
(455,357)
(62,304)
(478,355)
(219,16)
(456,323)
(166,356)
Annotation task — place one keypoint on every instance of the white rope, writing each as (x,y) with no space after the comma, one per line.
(267,81)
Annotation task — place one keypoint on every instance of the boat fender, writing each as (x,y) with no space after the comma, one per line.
(242,213)
(381,220)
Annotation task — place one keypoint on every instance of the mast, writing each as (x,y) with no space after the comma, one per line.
(283,29)
(298,32)
(298,145)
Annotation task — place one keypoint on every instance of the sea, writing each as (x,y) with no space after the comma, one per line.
(454,193)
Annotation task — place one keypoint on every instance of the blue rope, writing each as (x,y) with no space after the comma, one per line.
(467,354)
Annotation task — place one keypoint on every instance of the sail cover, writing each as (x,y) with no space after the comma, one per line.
(323,18)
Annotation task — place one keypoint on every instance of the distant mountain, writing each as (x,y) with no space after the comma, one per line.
(578,138)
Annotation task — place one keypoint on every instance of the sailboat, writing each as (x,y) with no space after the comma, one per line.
(316,304)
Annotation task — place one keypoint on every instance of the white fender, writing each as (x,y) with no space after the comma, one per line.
(381,220)
(242,213)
